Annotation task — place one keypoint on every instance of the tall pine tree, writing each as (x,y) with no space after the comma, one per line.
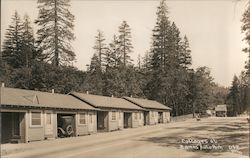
(111,57)
(201,89)
(12,44)
(246,30)
(94,79)
(112,76)
(234,97)
(158,55)
(100,48)
(28,42)
(185,57)
(125,44)
(55,32)
(160,38)
(170,58)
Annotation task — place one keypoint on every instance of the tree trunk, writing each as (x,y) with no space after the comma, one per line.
(193,108)
(56,57)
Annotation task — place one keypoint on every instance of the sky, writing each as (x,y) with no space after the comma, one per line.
(213,28)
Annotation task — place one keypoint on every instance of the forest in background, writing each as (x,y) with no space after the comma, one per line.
(164,73)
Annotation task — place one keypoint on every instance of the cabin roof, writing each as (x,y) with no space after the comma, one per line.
(106,102)
(21,97)
(145,103)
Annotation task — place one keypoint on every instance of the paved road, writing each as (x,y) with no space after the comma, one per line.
(223,137)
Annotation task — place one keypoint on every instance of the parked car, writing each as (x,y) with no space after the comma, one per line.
(65,126)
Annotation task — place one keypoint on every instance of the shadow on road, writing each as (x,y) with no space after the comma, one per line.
(228,137)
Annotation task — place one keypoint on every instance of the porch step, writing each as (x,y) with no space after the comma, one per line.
(15,140)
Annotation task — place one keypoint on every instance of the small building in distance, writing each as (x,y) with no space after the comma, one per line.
(221,110)
(154,113)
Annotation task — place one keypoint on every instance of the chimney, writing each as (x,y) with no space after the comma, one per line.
(87,92)
(52,91)
(3,85)
(112,95)
(131,96)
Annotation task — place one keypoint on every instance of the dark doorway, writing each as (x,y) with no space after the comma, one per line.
(127,120)
(102,121)
(146,118)
(13,127)
(65,125)
(160,117)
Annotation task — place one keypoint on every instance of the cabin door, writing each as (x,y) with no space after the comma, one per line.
(146,118)
(127,120)
(120,122)
(91,122)
(48,123)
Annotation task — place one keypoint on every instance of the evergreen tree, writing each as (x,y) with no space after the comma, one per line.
(246,30)
(201,89)
(160,38)
(111,57)
(170,58)
(12,44)
(185,57)
(158,55)
(100,48)
(243,83)
(132,80)
(174,51)
(113,80)
(55,32)
(124,43)
(28,42)
(234,97)
(144,74)
(95,75)
(237,98)
(119,79)
(146,61)
(94,79)
(139,62)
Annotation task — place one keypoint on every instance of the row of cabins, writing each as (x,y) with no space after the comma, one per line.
(28,115)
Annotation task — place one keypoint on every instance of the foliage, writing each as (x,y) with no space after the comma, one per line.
(163,74)
(202,93)
(12,44)
(100,48)
(55,31)
(237,96)
(168,63)
(124,43)
(233,96)
(94,79)
(44,77)
(246,30)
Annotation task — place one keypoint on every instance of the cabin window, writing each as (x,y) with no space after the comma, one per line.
(140,115)
(113,115)
(90,118)
(36,118)
(82,119)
